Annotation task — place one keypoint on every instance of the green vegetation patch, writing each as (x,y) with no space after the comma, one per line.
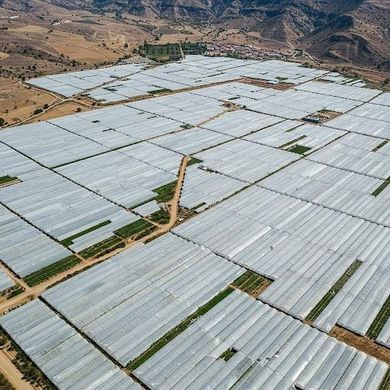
(193,48)
(14,291)
(328,297)
(379,321)
(299,149)
(169,51)
(187,126)
(385,384)
(198,206)
(23,363)
(4,384)
(133,228)
(158,91)
(51,270)
(381,188)
(165,193)
(146,232)
(293,141)
(228,354)
(111,89)
(105,246)
(161,217)
(141,203)
(194,161)
(7,179)
(250,282)
(381,145)
(177,330)
(69,241)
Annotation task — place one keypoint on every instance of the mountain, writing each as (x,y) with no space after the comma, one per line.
(354,31)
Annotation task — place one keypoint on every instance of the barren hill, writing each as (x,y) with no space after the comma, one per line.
(351,30)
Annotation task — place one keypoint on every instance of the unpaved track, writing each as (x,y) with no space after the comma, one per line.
(174,203)
(13,375)
(361,343)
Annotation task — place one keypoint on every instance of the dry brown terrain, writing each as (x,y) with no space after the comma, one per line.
(66,108)
(18,101)
(361,343)
(13,375)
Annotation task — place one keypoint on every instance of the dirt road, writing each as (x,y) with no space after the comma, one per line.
(174,203)
(12,374)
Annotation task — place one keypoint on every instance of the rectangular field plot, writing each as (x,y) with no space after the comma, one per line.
(155,156)
(245,160)
(357,153)
(147,208)
(66,358)
(276,71)
(191,141)
(287,134)
(118,177)
(234,90)
(309,102)
(338,90)
(274,107)
(25,249)
(5,281)
(372,111)
(183,107)
(49,144)
(141,84)
(384,336)
(128,302)
(72,83)
(245,344)
(383,99)
(94,130)
(240,123)
(295,104)
(362,125)
(302,247)
(202,188)
(335,188)
(123,125)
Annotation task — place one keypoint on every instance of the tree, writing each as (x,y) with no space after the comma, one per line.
(38,111)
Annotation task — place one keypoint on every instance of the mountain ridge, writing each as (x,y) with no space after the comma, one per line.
(354,31)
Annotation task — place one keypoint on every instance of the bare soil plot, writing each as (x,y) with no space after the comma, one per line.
(18,102)
(361,343)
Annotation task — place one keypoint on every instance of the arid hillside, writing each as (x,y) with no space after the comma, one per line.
(354,31)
